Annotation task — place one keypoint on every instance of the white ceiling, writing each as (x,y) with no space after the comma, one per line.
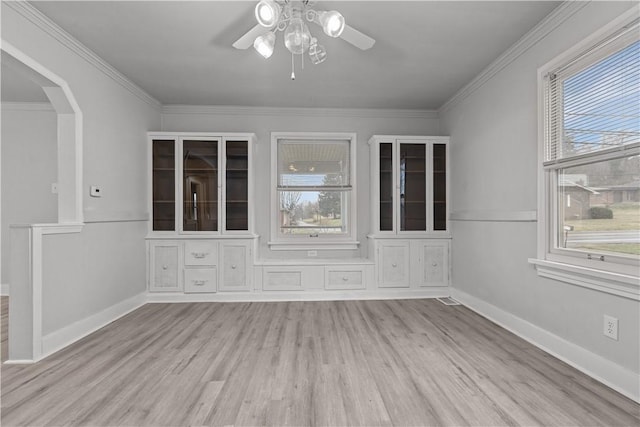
(180,52)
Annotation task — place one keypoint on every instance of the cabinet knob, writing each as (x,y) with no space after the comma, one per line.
(164,267)
(394,265)
(233,266)
(345,278)
(435,264)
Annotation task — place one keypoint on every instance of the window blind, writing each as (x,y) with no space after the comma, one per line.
(313,164)
(593,102)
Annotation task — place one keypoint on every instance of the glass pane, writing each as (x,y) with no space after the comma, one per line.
(237,182)
(601,104)
(439,187)
(599,207)
(313,163)
(313,212)
(164,185)
(200,185)
(386,187)
(413,191)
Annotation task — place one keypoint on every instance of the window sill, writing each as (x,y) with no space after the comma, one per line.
(623,285)
(316,245)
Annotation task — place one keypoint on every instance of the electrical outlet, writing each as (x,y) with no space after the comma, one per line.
(312,253)
(611,327)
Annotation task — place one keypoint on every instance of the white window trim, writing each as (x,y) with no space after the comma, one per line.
(609,277)
(325,242)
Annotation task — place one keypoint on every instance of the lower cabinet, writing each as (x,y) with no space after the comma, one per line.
(236,266)
(393,264)
(200,265)
(411,263)
(164,267)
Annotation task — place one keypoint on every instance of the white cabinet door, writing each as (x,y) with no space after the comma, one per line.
(164,265)
(235,262)
(393,264)
(433,262)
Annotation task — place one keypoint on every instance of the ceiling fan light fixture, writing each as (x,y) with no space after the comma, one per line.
(267,13)
(265,43)
(332,23)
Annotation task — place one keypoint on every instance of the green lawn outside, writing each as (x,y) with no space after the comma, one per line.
(626,216)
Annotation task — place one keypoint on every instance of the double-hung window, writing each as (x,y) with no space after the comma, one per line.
(590,211)
(313,181)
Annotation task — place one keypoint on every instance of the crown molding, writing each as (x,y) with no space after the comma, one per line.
(537,33)
(232,110)
(52,29)
(27,106)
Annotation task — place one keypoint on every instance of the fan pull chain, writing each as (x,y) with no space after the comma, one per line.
(293,72)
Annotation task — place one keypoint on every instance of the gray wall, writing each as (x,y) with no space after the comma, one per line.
(28,153)
(494,161)
(104,264)
(364,123)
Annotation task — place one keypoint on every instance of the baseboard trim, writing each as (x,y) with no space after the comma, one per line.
(61,338)
(283,296)
(5,288)
(597,367)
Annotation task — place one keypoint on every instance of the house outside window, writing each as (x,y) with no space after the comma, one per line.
(313,182)
(590,170)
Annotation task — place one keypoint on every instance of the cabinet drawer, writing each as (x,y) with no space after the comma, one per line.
(199,280)
(200,253)
(344,278)
(282,279)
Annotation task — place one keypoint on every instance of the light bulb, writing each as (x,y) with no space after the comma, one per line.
(297,36)
(267,13)
(332,23)
(317,52)
(264,44)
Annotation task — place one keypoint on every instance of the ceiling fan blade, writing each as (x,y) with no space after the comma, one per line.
(247,40)
(357,38)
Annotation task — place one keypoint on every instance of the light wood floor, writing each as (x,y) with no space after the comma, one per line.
(411,362)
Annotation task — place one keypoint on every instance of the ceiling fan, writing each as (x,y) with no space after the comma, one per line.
(289,16)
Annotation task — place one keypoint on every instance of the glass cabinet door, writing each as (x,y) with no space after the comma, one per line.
(237,185)
(439,186)
(386,186)
(413,194)
(200,185)
(164,184)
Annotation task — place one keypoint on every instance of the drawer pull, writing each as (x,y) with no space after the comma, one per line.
(199,255)
(233,266)
(199,282)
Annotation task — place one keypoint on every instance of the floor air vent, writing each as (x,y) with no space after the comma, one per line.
(448,301)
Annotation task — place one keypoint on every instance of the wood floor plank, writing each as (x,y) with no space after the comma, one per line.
(360,363)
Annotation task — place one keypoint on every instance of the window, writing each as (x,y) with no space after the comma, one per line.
(590,217)
(313,181)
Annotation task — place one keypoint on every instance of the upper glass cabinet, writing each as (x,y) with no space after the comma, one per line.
(201,184)
(409,184)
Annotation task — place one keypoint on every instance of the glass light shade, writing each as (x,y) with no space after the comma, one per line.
(267,13)
(297,36)
(264,44)
(317,52)
(332,23)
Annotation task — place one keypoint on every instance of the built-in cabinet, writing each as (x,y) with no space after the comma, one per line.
(202,244)
(410,239)
(201,237)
